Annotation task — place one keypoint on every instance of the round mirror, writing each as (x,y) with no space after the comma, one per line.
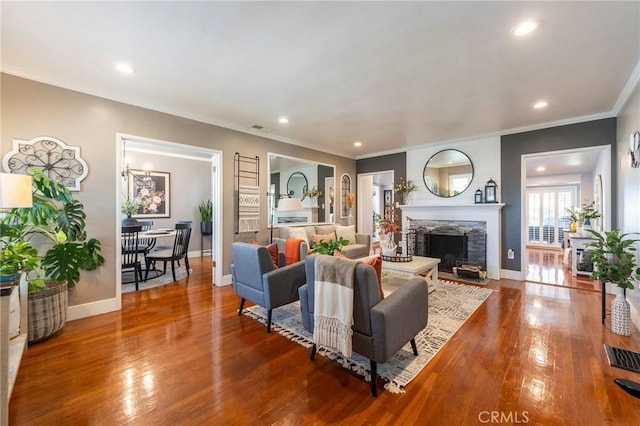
(448,173)
(297,185)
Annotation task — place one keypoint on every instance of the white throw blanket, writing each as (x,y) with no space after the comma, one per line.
(333,309)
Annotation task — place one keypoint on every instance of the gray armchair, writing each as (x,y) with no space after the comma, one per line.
(255,278)
(380,327)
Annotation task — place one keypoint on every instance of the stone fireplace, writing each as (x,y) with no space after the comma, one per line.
(453,242)
(479,223)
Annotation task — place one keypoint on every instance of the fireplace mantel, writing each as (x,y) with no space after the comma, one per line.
(489,213)
(407,208)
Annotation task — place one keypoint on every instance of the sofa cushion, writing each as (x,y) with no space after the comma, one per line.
(299,233)
(346,232)
(354,251)
(325,229)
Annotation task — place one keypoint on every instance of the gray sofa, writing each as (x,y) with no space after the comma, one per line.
(380,327)
(356,249)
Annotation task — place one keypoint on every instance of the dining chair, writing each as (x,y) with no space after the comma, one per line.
(130,251)
(179,251)
(145,245)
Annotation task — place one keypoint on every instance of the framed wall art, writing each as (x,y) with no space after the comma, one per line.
(152,189)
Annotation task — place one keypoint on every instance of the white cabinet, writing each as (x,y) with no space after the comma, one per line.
(11,350)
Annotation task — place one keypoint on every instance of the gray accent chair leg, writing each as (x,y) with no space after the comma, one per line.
(414,347)
(269,320)
(241,306)
(374,376)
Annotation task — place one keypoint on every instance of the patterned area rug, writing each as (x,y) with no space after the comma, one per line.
(450,305)
(127,277)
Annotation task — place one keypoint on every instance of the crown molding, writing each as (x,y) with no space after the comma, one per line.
(634,78)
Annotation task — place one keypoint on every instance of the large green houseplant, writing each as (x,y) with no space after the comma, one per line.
(49,242)
(613,256)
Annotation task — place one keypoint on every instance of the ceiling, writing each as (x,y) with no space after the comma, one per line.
(391,75)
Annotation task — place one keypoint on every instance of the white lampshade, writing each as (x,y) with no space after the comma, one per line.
(15,191)
(288,204)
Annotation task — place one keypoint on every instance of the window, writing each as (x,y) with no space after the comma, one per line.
(547,214)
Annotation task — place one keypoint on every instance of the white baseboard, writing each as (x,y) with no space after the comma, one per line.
(93,308)
(226,280)
(512,275)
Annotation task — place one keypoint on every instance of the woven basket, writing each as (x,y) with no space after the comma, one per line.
(47,311)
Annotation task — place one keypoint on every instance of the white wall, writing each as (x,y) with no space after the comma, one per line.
(629,185)
(485,156)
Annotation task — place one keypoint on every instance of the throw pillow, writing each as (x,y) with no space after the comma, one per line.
(326,238)
(376,262)
(300,234)
(346,232)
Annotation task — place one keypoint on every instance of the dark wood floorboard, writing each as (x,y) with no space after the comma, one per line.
(179,354)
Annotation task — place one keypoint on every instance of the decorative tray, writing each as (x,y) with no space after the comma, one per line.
(397,258)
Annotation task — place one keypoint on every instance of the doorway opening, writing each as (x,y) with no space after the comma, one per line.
(375,194)
(178,162)
(554,182)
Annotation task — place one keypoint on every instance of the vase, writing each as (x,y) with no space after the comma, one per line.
(129,221)
(408,198)
(620,314)
(586,225)
(350,220)
(387,244)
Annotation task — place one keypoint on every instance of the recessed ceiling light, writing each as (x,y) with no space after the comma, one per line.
(357,144)
(540,169)
(540,104)
(125,68)
(283,120)
(524,28)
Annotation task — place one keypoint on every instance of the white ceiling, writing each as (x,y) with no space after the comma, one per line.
(389,74)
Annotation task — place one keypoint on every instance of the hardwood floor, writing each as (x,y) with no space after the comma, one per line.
(179,354)
(546,266)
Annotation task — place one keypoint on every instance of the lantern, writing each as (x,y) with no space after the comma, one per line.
(478,197)
(491,192)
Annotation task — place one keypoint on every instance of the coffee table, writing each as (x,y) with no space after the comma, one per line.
(419,266)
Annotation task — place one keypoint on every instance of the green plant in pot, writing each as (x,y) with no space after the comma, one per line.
(329,247)
(613,256)
(130,207)
(55,227)
(206,217)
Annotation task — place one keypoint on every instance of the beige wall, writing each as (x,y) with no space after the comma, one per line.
(30,109)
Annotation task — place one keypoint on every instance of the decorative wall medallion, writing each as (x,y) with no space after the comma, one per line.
(55,158)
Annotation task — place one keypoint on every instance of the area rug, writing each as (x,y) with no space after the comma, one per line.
(127,277)
(450,305)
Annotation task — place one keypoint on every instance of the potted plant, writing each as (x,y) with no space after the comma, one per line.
(387,227)
(574,216)
(329,247)
(588,212)
(206,216)
(613,256)
(405,189)
(55,226)
(130,207)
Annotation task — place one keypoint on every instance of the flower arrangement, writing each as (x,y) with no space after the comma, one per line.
(130,207)
(351,198)
(313,193)
(589,211)
(405,187)
(387,225)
